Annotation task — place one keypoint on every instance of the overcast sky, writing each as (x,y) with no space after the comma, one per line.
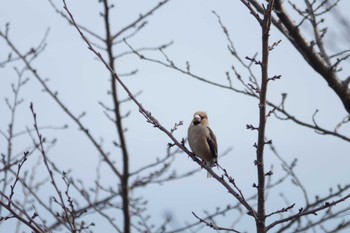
(82,82)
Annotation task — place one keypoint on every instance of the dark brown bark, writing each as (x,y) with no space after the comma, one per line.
(124,179)
(320,64)
(314,59)
(260,223)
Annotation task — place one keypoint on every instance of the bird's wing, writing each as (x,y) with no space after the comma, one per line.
(212,144)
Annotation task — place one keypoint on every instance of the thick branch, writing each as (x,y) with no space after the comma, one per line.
(293,34)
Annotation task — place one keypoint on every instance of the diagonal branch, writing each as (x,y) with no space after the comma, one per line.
(213,226)
(292,32)
(142,17)
(61,104)
(152,120)
(309,212)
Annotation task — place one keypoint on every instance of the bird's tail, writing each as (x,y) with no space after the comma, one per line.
(209,175)
(211,165)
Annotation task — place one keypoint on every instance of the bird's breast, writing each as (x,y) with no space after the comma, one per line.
(197,139)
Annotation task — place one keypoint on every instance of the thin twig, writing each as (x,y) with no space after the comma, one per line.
(213,226)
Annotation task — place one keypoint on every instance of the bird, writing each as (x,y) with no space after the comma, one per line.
(202,140)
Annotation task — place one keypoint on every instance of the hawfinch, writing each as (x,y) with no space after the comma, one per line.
(202,139)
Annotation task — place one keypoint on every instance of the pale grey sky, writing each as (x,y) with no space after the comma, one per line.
(81,82)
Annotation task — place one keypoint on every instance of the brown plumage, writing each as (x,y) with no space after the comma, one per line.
(202,140)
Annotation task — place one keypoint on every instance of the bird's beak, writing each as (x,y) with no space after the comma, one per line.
(196,119)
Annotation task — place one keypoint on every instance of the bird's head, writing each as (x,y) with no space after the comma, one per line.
(200,117)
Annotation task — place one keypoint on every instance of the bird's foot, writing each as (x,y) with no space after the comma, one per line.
(203,163)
